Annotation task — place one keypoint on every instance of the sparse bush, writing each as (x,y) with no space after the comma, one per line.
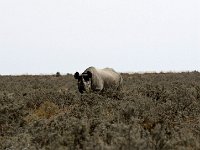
(58,74)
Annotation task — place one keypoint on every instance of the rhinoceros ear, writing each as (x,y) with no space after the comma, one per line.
(89,74)
(76,75)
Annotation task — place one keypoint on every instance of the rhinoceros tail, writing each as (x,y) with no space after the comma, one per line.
(120,83)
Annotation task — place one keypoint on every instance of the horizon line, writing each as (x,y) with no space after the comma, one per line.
(128,72)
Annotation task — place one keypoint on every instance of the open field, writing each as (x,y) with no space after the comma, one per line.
(154,111)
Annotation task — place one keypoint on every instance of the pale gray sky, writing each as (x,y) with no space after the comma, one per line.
(46,36)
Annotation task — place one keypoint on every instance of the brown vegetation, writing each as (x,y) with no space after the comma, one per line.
(154,111)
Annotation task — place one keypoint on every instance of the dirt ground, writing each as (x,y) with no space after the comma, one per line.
(153,111)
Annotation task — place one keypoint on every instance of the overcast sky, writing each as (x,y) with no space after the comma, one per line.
(46,36)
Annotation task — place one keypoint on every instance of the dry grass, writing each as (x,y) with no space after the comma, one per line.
(46,110)
(153,111)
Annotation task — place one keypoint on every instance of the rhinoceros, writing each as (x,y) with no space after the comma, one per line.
(93,79)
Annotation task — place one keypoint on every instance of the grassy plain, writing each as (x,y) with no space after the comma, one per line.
(153,111)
